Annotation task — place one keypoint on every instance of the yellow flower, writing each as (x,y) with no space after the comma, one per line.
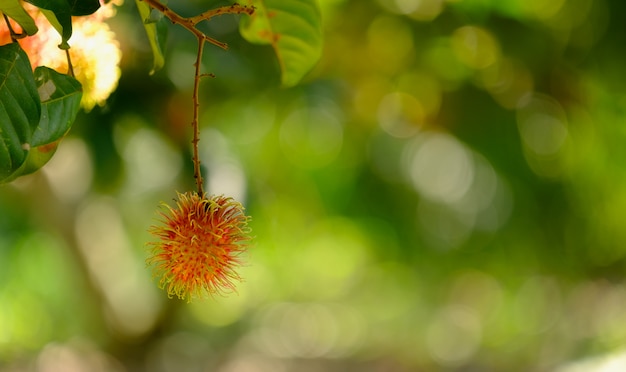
(199,245)
(95,55)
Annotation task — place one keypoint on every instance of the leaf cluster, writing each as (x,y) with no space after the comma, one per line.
(36,110)
(58,12)
(37,107)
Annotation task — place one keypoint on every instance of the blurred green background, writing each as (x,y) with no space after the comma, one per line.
(446,191)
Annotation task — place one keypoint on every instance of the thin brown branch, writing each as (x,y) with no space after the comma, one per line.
(197,174)
(228,9)
(190,22)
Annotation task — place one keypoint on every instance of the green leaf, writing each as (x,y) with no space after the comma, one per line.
(156,34)
(20,108)
(293,28)
(60,96)
(60,102)
(37,158)
(83,7)
(62,12)
(54,22)
(13,9)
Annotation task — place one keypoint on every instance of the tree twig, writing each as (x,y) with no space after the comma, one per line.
(190,24)
(232,9)
(197,174)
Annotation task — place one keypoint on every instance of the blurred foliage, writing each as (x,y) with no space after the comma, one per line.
(444,192)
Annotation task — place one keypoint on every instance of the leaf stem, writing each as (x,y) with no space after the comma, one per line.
(14,35)
(70,67)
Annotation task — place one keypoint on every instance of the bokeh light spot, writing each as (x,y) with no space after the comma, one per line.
(245,124)
(454,336)
(326,265)
(368,93)
(400,114)
(425,88)
(461,190)
(479,292)
(308,330)
(77,355)
(390,43)
(543,10)
(151,161)
(407,6)
(542,124)
(180,69)
(508,81)
(475,46)
(441,168)
(179,351)
(543,134)
(130,299)
(442,227)
(441,58)
(70,170)
(221,310)
(422,10)
(538,304)
(225,175)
